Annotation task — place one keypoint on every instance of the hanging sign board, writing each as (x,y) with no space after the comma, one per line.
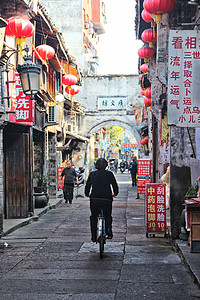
(60,179)
(155,208)
(143,174)
(21,107)
(184,78)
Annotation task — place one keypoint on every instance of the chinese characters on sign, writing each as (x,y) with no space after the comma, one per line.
(21,107)
(25,106)
(130,146)
(112,103)
(155,208)
(143,174)
(60,181)
(184,78)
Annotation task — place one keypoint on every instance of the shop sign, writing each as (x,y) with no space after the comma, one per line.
(21,108)
(25,106)
(60,179)
(184,78)
(155,208)
(130,146)
(143,174)
(112,103)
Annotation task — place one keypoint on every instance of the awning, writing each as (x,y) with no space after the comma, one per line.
(73,136)
(73,140)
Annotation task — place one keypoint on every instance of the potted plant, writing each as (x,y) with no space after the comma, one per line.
(41,182)
(192,191)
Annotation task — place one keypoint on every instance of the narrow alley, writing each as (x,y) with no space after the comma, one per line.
(54,258)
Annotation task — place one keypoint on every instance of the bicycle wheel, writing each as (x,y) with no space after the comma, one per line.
(101,246)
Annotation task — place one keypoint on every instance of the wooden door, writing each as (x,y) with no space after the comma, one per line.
(17,175)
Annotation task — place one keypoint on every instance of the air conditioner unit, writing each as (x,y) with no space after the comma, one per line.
(53,114)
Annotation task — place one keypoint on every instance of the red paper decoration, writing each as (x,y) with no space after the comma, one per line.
(147,101)
(149,36)
(69,79)
(144,68)
(146,53)
(19,28)
(72,90)
(148,92)
(45,52)
(158,7)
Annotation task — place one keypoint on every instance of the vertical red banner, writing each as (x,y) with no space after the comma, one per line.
(25,106)
(143,174)
(60,181)
(155,208)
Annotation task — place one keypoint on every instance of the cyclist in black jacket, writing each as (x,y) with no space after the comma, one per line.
(98,188)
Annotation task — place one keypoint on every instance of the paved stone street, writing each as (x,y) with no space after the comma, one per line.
(53,258)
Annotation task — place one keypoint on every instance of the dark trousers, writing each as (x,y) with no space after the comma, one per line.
(68,191)
(133,176)
(95,207)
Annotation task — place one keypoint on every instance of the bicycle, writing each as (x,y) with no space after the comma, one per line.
(101,233)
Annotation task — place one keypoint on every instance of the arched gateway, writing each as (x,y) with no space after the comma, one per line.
(108,100)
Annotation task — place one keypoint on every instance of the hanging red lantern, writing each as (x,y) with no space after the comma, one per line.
(19,28)
(158,7)
(147,101)
(146,53)
(72,90)
(142,142)
(142,92)
(146,140)
(144,68)
(45,52)
(69,79)
(148,92)
(140,76)
(147,17)
(149,36)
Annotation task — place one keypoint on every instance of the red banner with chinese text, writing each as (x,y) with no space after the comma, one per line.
(143,174)
(21,107)
(60,180)
(155,208)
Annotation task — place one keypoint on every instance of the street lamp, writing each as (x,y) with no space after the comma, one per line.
(30,76)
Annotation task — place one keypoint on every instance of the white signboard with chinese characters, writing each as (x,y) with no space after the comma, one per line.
(184,78)
(112,103)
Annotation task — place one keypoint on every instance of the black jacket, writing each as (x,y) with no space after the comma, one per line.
(101,181)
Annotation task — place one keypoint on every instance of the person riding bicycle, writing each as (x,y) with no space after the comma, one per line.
(98,189)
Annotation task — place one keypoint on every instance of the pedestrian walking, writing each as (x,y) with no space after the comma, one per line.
(133,170)
(69,175)
(116,165)
(101,187)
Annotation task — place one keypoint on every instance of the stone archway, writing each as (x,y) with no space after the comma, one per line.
(127,126)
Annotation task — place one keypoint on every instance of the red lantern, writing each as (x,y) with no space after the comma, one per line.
(45,52)
(158,7)
(140,76)
(145,52)
(147,17)
(72,90)
(146,140)
(142,142)
(19,28)
(144,68)
(142,92)
(69,79)
(147,101)
(148,92)
(149,36)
